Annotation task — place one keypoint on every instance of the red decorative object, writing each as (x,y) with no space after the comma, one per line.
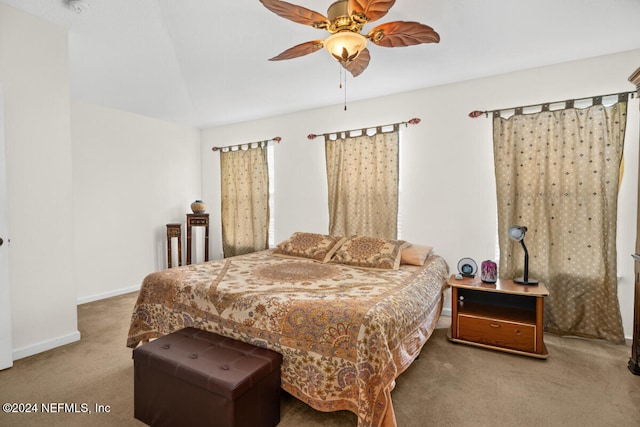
(311,136)
(489,272)
(414,121)
(476,113)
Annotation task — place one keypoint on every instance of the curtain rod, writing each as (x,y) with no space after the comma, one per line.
(413,121)
(545,105)
(249,144)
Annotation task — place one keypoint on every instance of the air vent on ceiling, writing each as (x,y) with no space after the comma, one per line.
(78,6)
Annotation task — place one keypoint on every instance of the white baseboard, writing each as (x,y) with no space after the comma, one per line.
(103,295)
(30,350)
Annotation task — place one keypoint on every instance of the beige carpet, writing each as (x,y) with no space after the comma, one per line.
(583,383)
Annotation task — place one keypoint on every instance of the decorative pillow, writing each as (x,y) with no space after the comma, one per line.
(370,252)
(415,254)
(319,247)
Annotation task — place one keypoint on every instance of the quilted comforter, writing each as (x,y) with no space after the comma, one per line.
(345,333)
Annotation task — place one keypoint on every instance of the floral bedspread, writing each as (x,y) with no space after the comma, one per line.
(345,333)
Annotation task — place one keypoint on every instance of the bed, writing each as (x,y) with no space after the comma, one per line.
(346,330)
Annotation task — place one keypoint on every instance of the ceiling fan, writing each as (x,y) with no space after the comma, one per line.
(344,22)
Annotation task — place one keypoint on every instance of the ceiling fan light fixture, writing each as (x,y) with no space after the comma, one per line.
(347,42)
(345,46)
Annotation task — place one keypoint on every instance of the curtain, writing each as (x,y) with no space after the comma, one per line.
(245,200)
(557,173)
(362,176)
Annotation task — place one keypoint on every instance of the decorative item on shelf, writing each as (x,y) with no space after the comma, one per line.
(467,267)
(198,207)
(488,271)
(517,233)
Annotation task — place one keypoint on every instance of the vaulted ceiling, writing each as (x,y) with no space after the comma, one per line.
(205,62)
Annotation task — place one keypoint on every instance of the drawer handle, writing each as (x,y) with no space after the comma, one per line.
(518,332)
(494,325)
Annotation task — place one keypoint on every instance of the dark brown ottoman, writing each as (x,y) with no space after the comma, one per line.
(197,378)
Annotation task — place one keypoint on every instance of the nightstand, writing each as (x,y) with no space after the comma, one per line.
(502,316)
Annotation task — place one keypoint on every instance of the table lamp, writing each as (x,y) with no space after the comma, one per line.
(517,233)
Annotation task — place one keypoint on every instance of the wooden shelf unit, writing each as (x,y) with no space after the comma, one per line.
(174,230)
(197,220)
(502,316)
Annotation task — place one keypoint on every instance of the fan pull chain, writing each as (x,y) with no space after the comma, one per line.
(345,91)
(345,85)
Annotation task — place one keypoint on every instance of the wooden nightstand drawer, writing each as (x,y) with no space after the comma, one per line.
(500,333)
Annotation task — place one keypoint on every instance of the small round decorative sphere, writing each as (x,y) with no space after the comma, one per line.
(198,207)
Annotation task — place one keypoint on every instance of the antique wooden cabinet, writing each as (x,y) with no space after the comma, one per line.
(634,361)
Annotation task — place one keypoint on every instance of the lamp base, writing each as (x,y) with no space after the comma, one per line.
(529,282)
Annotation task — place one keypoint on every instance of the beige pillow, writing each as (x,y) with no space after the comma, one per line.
(319,247)
(415,254)
(370,252)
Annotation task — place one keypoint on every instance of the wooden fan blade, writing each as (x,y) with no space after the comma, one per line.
(296,13)
(299,50)
(371,9)
(358,65)
(402,33)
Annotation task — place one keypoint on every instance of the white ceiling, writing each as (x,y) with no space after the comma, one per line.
(205,62)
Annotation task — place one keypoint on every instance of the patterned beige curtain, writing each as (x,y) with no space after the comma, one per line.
(362,175)
(557,173)
(245,200)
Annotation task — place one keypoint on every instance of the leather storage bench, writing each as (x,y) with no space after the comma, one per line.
(197,378)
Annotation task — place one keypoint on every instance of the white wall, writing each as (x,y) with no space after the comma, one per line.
(448,196)
(90,189)
(34,72)
(132,175)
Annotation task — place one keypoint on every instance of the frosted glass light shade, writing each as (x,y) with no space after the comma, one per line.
(346,45)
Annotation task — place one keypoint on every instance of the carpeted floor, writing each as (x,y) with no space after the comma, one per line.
(583,383)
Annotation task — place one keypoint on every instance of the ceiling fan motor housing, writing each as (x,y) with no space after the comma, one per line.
(340,20)
(338,9)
